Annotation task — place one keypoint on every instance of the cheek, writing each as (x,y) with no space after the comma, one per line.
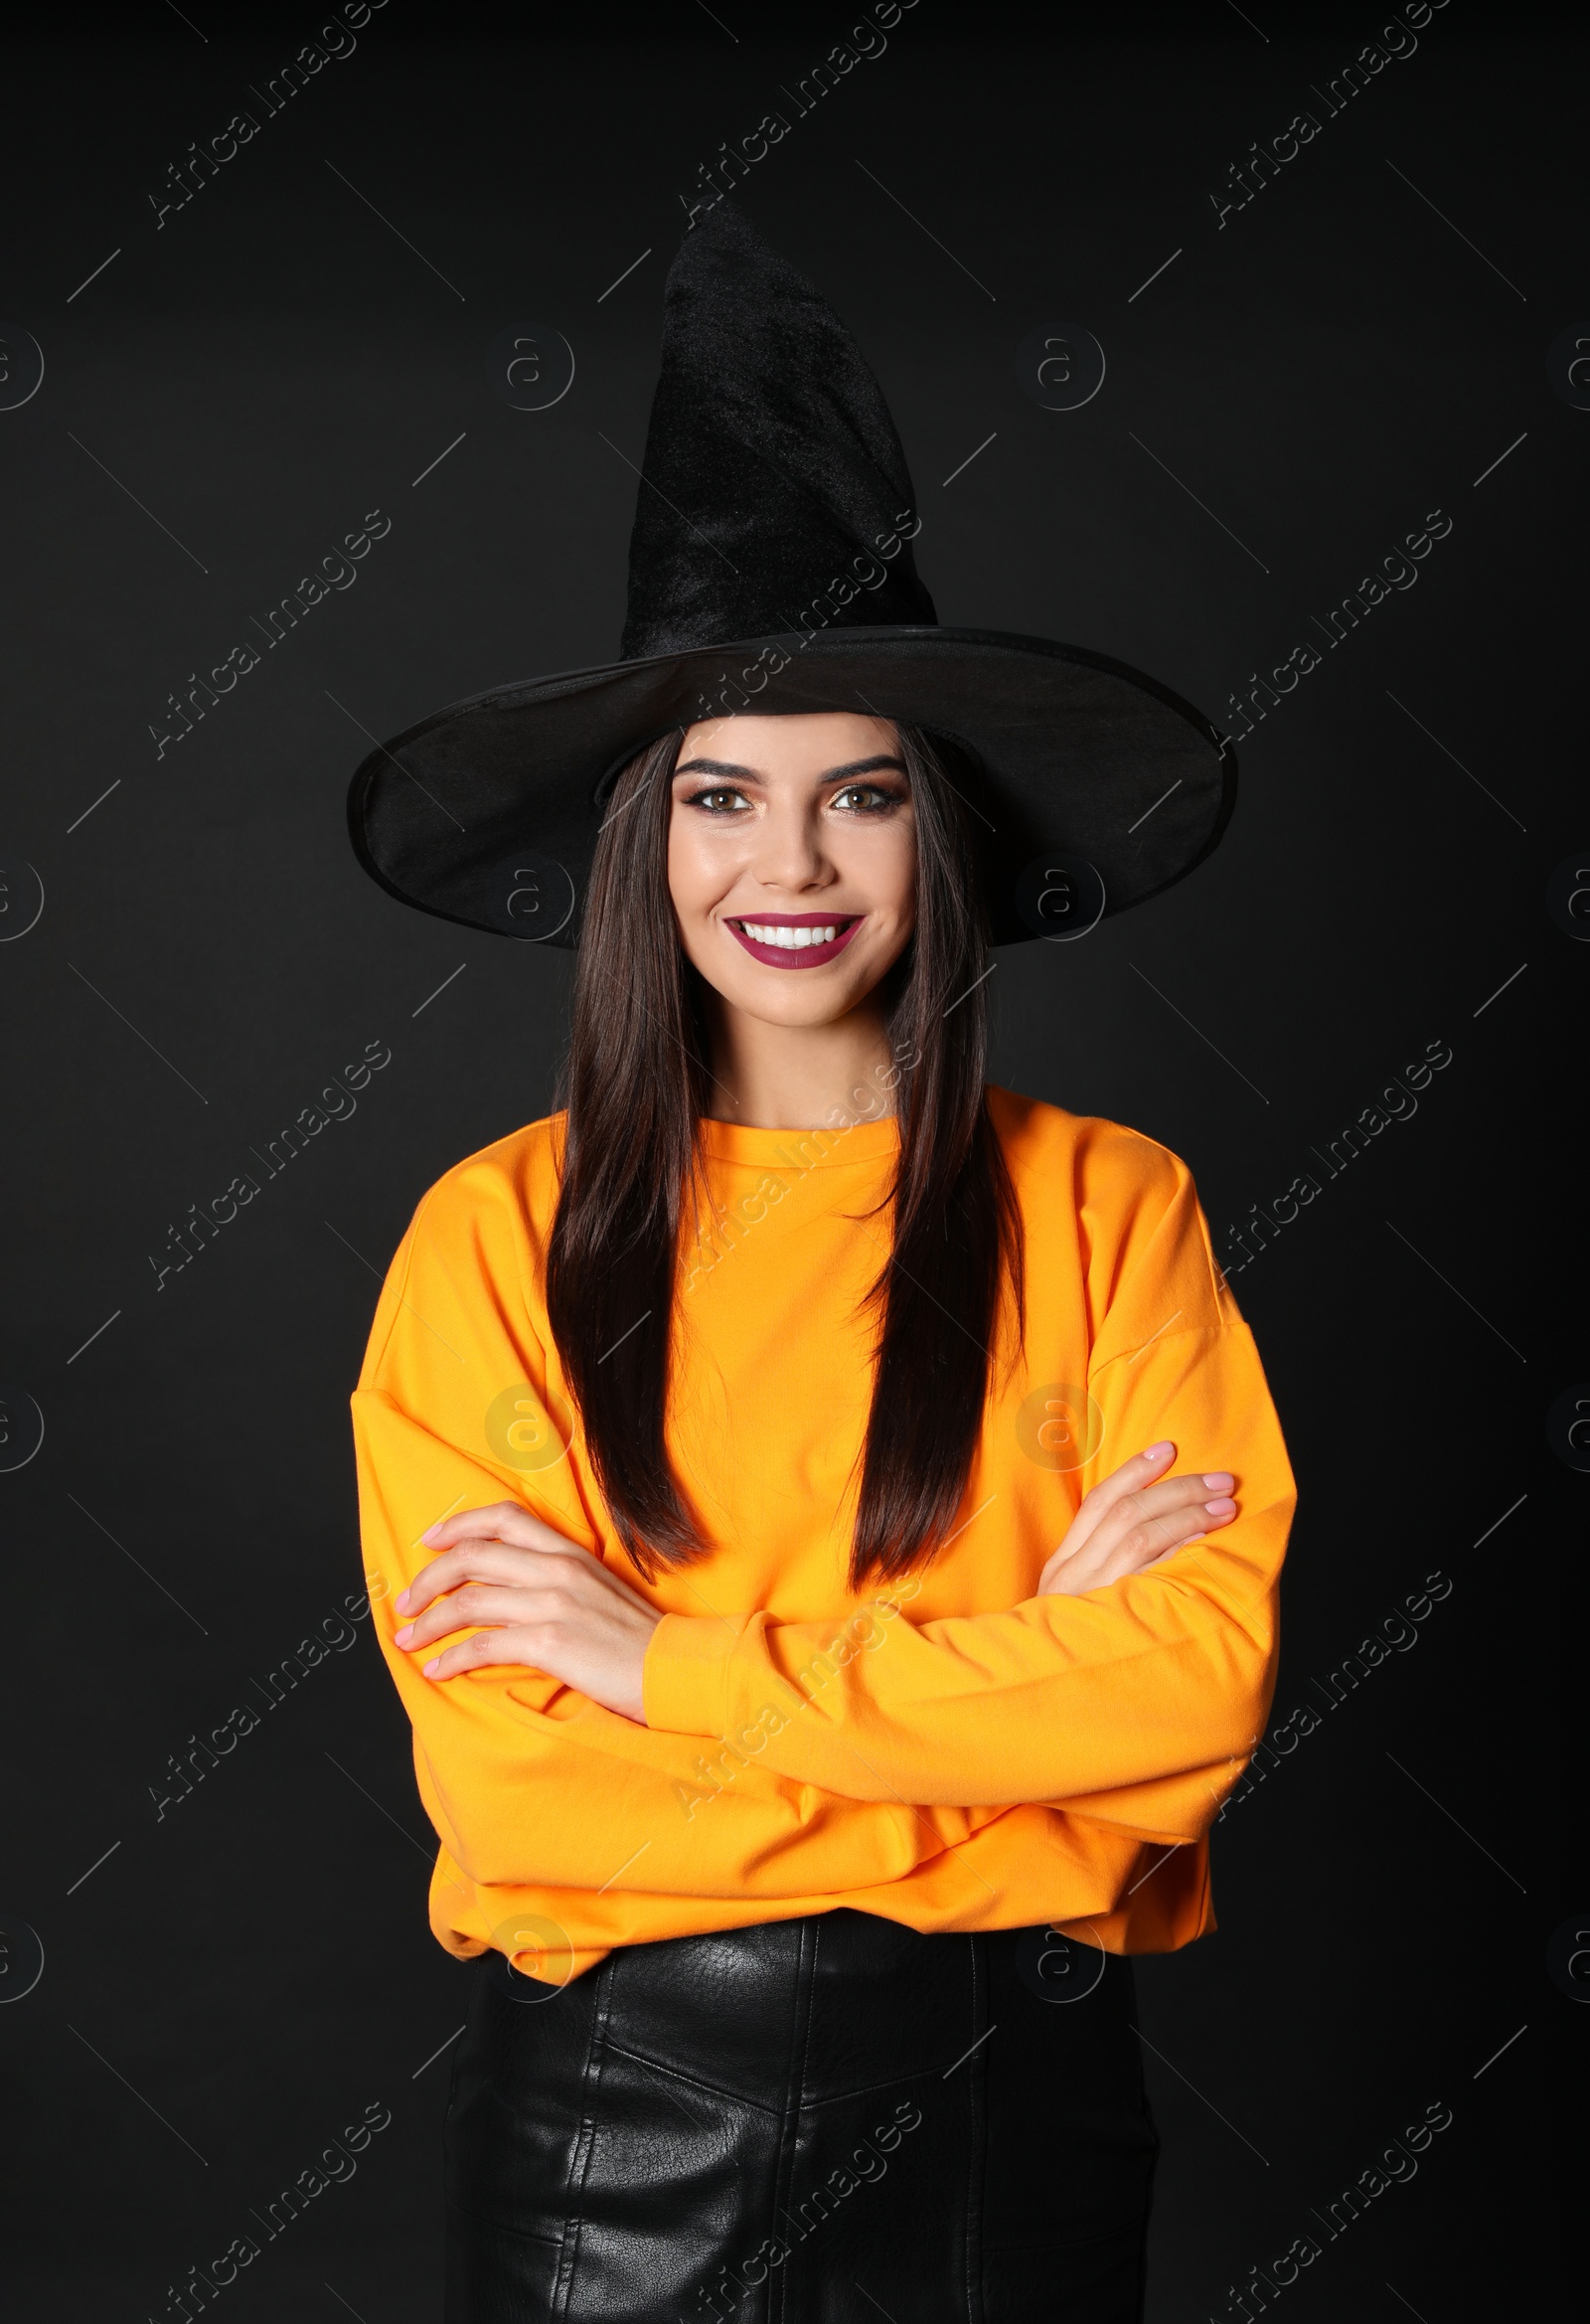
(703,865)
(906,876)
(878,864)
(693,877)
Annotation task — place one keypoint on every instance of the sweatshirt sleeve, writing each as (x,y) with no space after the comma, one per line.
(527,1782)
(1135,1704)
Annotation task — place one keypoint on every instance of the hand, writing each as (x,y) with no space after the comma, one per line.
(540,1600)
(1131,1520)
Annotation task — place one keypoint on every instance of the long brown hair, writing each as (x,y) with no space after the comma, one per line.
(637,1082)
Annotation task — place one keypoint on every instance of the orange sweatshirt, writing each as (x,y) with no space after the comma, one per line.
(950,1752)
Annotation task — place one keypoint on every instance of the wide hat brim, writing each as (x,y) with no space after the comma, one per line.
(1100,788)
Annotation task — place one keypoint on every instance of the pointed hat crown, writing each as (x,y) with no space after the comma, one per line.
(772,465)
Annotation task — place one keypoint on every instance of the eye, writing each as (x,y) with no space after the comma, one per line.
(721,799)
(865,798)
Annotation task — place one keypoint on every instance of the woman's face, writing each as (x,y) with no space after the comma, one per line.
(792,861)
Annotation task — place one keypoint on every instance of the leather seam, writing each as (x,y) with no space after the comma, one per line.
(711,2089)
(976,2110)
(505,2227)
(585,2143)
(794,2102)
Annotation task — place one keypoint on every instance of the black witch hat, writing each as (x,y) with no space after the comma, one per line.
(770,569)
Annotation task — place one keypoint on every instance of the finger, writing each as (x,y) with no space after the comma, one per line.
(1169,1497)
(1131,1477)
(477,1603)
(1160,1534)
(1160,1537)
(482,1560)
(1128,1542)
(478,1560)
(505,1521)
(1045,1581)
(1218,1513)
(477,1653)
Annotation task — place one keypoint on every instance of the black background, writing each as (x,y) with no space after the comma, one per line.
(238,1977)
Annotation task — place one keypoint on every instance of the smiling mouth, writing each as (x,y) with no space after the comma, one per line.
(804,939)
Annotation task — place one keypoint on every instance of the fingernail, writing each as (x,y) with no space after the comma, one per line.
(1218,1479)
(400,1601)
(1220,1508)
(402,1636)
(431,1667)
(1159,1451)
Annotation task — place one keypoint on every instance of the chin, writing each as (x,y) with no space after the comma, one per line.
(808,1008)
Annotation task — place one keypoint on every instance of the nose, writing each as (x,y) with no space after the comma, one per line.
(789,854)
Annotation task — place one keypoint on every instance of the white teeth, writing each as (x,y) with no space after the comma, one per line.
(787,939)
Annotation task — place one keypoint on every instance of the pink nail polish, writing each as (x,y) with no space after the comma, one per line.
(1159,1451)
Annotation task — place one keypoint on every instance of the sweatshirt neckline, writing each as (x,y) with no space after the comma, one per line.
(799,1149)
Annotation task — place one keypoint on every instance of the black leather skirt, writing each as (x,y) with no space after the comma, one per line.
(822,2122)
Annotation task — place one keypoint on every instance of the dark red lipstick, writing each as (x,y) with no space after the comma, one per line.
(786,954)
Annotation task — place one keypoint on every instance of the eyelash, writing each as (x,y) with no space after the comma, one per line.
(886,801)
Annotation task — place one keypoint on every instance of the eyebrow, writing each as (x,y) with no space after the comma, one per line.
(749,775)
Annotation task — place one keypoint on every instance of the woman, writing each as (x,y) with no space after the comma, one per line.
(808,1748)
